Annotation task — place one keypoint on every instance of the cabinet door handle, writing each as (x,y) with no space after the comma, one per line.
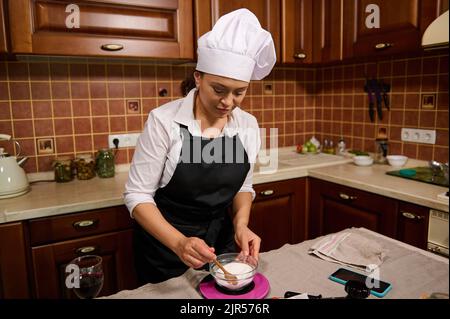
(382,46)
(347,197)
(412,216)
(82,224)
(86,250)
(267,192)
(300,56)
(111,47)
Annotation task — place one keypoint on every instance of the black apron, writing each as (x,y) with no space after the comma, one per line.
(196,202)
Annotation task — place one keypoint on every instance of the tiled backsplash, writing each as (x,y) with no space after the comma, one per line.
(67,107)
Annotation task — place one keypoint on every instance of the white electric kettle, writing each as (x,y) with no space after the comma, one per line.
(13,180)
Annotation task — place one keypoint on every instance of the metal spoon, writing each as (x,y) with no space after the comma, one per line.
(228,276)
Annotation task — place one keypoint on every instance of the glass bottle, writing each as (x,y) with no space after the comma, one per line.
(85,166)
(104,163)
(63,167)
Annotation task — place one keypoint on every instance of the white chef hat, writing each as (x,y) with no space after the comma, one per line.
(237,47)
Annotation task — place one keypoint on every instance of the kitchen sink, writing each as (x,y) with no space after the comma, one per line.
(421,174)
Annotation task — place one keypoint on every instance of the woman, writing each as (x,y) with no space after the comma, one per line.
(193,163)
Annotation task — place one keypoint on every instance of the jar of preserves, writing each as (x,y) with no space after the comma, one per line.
(63,167)
(85,166)
(104,163)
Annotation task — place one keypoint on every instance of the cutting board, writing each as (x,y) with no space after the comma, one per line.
(423,174)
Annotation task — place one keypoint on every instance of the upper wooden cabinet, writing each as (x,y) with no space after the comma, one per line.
(3,46)
(207,12)
(385,27)
(125,28)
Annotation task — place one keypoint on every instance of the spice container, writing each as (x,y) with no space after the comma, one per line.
(104,163)
(85,166)
(63,169)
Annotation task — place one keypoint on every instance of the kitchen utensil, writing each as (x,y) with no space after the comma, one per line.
(362,160)
(397,160)
(385,88)
(435,168)
(228,276)
(368,89)
(13,180)
(378,98)
(381,150)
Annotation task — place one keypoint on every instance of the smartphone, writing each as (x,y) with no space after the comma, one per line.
(380,288)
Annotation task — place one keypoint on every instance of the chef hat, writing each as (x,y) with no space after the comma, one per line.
(237,47)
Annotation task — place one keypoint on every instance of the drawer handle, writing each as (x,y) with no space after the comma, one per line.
(382,46)
(112,47)
(412,216)
(85,250)
(267,192)
(347,197)
(300,56)
(81,224)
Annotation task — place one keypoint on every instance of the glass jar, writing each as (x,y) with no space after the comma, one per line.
(104,163)
(63,167)
(85,166)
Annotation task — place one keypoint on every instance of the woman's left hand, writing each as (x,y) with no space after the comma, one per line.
(247,240)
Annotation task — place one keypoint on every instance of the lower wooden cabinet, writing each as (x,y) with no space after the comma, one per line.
(413,224)
(279,212)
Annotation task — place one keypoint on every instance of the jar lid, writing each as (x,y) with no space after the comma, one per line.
(63,160)
(84,156)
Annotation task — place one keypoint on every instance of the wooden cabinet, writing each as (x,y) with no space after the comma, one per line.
(125,28)
(55,241)
(334,207)
(3,44)
(14,279)
(385,27)
(278,213)
(413,224)
(207,12)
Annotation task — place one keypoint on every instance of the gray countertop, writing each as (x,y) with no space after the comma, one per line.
(50,198)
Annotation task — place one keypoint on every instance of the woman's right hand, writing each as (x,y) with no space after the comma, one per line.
(194,252)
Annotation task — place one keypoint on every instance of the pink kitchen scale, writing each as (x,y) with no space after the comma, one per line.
(257,289)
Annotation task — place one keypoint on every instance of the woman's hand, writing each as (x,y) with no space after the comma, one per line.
(194,252)
(247,240)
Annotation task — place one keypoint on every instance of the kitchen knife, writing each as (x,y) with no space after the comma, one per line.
(376,89)
(368,89)
(384,89)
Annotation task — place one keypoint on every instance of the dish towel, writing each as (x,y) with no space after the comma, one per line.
(352,249)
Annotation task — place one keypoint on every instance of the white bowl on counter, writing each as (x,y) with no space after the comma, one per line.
(397,160)
(363,160)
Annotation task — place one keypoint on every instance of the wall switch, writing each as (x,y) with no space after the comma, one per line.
(418,136)
(125,140)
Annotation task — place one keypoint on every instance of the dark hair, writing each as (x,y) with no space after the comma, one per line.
(188,84)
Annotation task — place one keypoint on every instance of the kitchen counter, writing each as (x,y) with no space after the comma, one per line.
(50,198)
(291,268)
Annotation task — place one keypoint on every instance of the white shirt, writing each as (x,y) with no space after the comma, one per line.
(158,147)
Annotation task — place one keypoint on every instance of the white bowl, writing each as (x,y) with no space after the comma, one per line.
(363,160)
(397,160)
(243,267)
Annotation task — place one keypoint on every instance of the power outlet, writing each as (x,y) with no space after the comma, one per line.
(418,135)
(125,140)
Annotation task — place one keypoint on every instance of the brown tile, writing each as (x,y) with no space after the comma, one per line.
(6,128)
(4,94)
(360,71)
(245,105)
(99,107)
(64,144)
(395,148)
(358,115)
(256,103)
(443,83)
(45,163)
(27,147)
(116,107)
(289,115)
(134,124)
(19,90)
(441,154)
(163,73)
(279,116)
(337,115)
(148,89)
(100,125)
(346,129)
(43,128)
(349,72)
(289,88)
(115,90)
(80,90)
(132,90)
(410,150)
(148,105)
(97,72)
(429,83)
(63,126)
(17,71)
(442,138)
(427,119)
(290,75)
(369,131)
(371,70)
(411,118)
(5,113)
(117,124)
(279,102)
(178,73)
(39,71)
(279,74)
(176,90)
(131,72)
(148,73)
(40,91)
(23,128)
(384,69)
(82,125)
(78,72)
(443,64)
(309,101)
(360,101)
(348,86)
(98,90)
(300,75)
(397,101)
(161,86)
(258,115)
(414,67)
(309,75)
(279,88)
(442,119)
(425,153)
(442,101)
(399,68)
(60,90)
(100,141)
(289,102)
(81,108)
(430,65)
(3,72)
(83,143)
(395,133)
(59,71)
(21,110)
(299,114)
(327,113)
(62,109)
(299,127)
(398,85)
(121,156)
(413,84)
(412,101)
(338,87)
(30,165)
